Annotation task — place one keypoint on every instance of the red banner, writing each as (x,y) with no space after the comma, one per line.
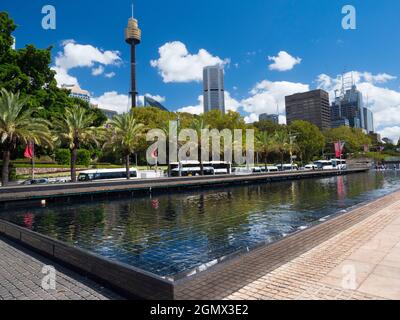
(339,146)
(29,151)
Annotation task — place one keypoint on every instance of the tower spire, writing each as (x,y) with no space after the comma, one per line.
(133,36)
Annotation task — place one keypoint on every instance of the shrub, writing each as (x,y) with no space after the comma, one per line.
(83,158)
(63,156)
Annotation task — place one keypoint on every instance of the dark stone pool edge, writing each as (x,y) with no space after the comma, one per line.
(124,279)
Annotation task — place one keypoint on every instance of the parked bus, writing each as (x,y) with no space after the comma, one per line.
(106,174)
(193,168)
(339,164)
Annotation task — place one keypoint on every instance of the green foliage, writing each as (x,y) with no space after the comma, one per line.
(28,71)
(18,126)
(123,136)
(268,126)
(309,139)
(355,139)
(63,156)
(83,158)
(7,27)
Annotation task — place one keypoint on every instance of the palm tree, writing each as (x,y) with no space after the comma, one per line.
(124,131)
(75,128)
(281,143)
(265,144)
(199,125)
(17,125)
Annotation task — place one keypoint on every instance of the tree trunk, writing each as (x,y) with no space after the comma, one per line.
(201,160)
(127,166)
(266,162)
(5,171)
(74,155)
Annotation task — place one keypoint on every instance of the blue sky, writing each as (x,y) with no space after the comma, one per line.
(241,34)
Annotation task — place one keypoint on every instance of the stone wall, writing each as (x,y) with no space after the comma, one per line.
(27,171)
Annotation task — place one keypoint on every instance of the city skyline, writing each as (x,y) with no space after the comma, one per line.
(260,72)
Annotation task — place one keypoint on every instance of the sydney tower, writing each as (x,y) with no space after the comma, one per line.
(133,36)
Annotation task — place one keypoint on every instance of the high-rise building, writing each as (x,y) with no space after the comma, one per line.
(269,117)
(150,102)
(133,36)
(312,106)
(214,93)
(349,107)
(368,120)
(77,92)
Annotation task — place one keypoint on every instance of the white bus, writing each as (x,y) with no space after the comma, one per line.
(324,165)
(193,168)
(339,164)
(106,174)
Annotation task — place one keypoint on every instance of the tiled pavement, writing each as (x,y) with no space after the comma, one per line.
(362,262)
(21,278)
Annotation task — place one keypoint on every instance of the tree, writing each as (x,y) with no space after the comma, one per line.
(198,125)
(28,71)
(18,126)
(265,144)
(355,139)
(74,128)
(309,139)
(281,143)
(123,133)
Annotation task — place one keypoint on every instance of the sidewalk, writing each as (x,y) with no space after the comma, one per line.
(21,278)
(362,263)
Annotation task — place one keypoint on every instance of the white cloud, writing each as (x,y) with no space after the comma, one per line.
(62,77)
(392,133)
(266,96)
(176,64)
(112,101)
(97,71)
(120,102)
(251,118)
(110,75)
(231,104)
(283,61)
(74,55)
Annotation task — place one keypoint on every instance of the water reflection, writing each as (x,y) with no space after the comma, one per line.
(172,233)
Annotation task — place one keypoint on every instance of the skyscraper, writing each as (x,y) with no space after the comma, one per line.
(269,117)
(312,106)
(214,93)
(133,36)
(349,107)
(150,102)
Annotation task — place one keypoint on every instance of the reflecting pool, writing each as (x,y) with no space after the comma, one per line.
(174,233)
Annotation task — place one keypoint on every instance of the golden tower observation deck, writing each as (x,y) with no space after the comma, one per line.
(133,35)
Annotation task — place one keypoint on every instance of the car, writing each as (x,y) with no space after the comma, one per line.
(311,167)
(35,182)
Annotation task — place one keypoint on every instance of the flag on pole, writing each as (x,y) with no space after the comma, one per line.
(29,153)
(339,147)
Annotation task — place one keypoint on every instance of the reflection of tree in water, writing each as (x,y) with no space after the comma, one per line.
(208,221)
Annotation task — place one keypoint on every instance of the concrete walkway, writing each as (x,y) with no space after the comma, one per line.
(21,278)
(363,262)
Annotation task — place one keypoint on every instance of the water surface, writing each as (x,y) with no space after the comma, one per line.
(174,233)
